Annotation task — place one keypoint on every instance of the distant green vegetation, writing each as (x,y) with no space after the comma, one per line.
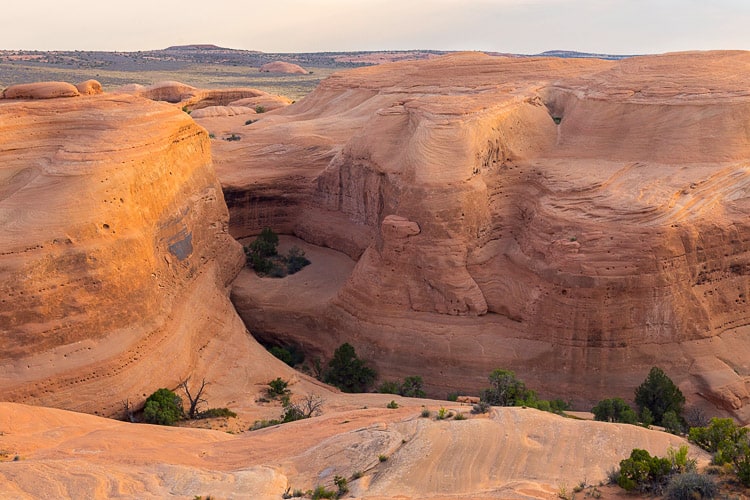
(263,257)
(506,390)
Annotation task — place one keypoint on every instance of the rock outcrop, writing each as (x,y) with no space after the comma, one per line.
(114,256)
(40,90)
(283,67)
(578,221)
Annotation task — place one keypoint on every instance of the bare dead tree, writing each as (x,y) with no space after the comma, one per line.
(194,400)
(311,405)
(128,410)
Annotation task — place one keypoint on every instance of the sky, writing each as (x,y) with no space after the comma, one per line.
(513,26)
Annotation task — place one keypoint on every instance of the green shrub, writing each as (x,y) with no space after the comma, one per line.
(412,387)
(452,396)
(357,474)
(659,394)
(643,471)
(720,433)
(459,416)
(260,109)
(614,410)
(163,407)
(691,486)
(442,414)
(217,413)
(342,485)
(277,387)
(265,244)
(392,405)
(260,424)
(389,387)
(295,260)
(671,422)
(291,355)
(347,372)
(505,389)
(382,458)
(425,412)
(680,461)
(481,407)
(322,492)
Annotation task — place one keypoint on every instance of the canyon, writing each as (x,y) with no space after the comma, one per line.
(577,221)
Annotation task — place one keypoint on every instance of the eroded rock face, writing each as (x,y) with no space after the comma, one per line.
(587,219)
(114,255)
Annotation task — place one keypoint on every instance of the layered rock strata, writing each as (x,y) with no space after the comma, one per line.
(114,255)
(578,221)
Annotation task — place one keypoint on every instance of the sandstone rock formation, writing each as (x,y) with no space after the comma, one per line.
(283,67)
(89,87)
(515,453)
(40,90)
(192,98)
(114,257)
(578,221)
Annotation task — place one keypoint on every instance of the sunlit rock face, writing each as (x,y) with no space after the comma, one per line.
(114,251)
(575,220)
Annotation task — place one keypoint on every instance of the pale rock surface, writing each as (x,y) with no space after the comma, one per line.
(512,453)
(579,220)
(215,111)
(40,90)
(283,67)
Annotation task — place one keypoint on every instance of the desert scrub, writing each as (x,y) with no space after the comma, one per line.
(392,405)
(382,458)
(425,412)
(691,485)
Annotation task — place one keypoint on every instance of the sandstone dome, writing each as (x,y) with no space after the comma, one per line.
(283,67)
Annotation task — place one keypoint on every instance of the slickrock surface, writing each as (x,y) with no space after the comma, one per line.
(513,453)
(192,98)
(283,67)
(115,259)
(577,221)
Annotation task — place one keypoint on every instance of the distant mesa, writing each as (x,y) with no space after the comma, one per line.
(198,46)
(283,67)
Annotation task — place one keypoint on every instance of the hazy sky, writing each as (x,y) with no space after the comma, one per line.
(518,26)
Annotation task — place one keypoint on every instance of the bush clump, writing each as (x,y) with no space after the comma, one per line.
(347,372)
(691,486)
(262,255)
(643,471)
(728,442)
(163,407)
(614,410)
(506,390)
(411,387)
(291,355)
